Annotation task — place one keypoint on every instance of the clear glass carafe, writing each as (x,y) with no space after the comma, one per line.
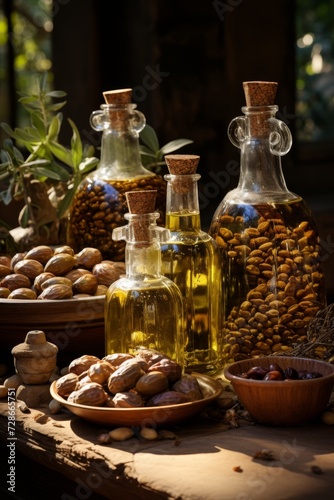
(99,203)
(144,308)
(272,269)
(191,259)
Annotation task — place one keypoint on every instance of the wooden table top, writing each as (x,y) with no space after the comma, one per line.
(209,460)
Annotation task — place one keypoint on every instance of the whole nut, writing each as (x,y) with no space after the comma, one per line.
(4,270)
(56,292)
(121,434)
(91,394)
(55,280)
(4,292)
(66,384)
(85,284)
(74,274)
(22,293)
(99,372)
(107,273)
(167,398)
(151,383)
(189,386)
(29,267)
(39,280)
(88,257)
(128,400)
(82,364)
(125,377)
(60,264)
(41,253)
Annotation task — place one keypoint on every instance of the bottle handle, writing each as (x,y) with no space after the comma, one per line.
(137,120)
(97,120)
(237,131)
(280,138)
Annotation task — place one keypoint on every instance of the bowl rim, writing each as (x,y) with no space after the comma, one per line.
(214,385)
(52,301)
(278,383)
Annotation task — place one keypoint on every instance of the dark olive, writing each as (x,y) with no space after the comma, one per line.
(273,375)
(257,372)
(290,373)
(274,367)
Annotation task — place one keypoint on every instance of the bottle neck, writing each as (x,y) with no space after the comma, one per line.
(142,250)
(120,152)
(262,140)
(182,205)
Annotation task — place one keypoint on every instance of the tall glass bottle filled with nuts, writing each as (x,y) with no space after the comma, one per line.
(99,204)
(191,259)
(272,271)
(144,308)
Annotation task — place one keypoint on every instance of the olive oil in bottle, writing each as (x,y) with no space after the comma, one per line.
(144,308)
(191,259)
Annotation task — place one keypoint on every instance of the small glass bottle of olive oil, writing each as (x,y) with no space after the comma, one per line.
(191,259)
(144,308)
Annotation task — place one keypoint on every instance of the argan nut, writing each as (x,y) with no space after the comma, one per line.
(60,264)
(121,434)
(22,293)
(29,267)
(148,433)
(41,253)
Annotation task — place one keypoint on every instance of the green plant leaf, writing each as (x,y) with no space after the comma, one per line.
(24,216)
(56,106)
(48,173)
(76,144)
(7,129)
(6,196)
(54,128)
(88,164)
(61,153)
(172,146)
(144,151)
(56,93)
(38,123)
(149,137)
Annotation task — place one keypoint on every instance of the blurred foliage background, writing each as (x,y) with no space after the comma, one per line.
(315,70)
(28,51)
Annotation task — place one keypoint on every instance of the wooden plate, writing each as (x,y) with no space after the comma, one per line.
(153,416)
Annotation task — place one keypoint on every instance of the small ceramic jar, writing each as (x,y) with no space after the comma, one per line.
(35,359)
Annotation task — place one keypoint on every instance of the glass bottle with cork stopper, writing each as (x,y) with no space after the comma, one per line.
(143,308)
(272,270)
(191,259)
(99,203)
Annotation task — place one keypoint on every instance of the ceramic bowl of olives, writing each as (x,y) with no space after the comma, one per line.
(282,390)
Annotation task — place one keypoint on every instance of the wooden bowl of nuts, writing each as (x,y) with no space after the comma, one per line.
(146,388)
(282,390)
(58,292)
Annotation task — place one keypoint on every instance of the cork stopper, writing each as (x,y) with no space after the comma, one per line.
(120,96)
(120,99)
(141,202)
(182,165)
(259,94)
